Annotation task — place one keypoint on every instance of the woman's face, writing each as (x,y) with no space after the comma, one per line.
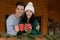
(29,14)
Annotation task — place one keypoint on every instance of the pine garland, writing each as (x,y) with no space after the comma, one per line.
(28,36)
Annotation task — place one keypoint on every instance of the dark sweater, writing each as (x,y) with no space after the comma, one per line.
(33,31)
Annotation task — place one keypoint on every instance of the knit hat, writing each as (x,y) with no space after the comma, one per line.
(29,6)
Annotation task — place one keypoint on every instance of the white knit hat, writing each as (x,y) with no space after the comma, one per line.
(29,6)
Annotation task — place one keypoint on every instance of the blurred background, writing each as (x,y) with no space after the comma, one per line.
(48,10)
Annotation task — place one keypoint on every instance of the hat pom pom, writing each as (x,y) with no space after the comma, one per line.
(30,3)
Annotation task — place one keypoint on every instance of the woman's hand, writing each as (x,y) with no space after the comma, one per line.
(38,27)
(16,28)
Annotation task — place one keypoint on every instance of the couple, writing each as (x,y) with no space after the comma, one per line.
(23,15)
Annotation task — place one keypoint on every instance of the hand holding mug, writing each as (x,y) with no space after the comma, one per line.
(28,27)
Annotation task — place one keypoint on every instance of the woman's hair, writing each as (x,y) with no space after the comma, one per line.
(32,19)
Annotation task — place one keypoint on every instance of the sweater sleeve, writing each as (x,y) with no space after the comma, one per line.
(35,24)
(10,27)
(34,31)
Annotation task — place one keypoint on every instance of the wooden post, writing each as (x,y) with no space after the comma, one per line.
(44,17)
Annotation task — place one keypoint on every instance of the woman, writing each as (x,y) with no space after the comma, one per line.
(29,18)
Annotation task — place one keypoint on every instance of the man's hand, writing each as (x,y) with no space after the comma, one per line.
(16,28)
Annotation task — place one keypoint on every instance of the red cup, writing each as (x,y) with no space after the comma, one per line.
(28,26)
(21,27)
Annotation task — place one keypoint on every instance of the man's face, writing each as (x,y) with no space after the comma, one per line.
(19,10)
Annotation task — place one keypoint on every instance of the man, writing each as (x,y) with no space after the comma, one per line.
(14,18)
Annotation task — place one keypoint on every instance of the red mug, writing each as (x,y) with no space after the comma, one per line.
(28,27)
(21,27)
